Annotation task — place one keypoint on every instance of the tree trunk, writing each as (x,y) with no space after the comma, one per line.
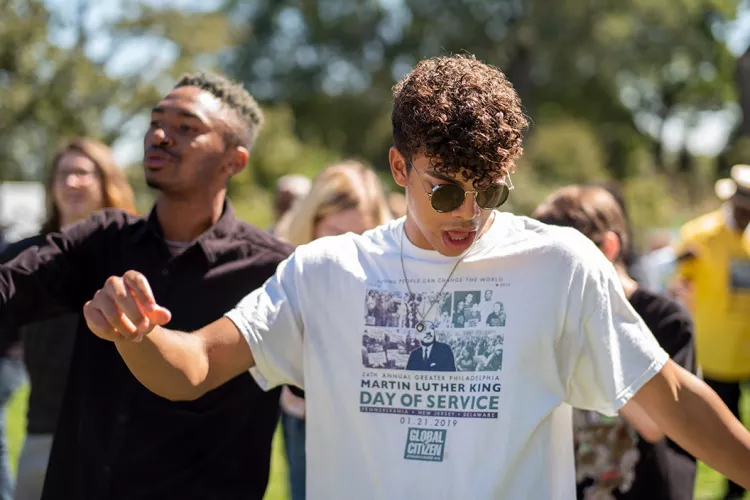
(742,76)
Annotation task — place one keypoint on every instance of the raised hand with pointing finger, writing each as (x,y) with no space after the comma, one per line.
(125,308)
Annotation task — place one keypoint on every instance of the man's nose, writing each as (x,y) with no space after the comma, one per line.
(469,209)
(159,137)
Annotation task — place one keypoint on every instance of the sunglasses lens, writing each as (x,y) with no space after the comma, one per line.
(493,196)
(447,198)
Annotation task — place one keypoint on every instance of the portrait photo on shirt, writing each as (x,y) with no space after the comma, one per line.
(433,349)
(432,306)
(494,313)
(432,354)
(466,311)
(476,350)
(388,348)
(384,308)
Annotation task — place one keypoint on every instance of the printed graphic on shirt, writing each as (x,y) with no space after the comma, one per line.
(739,275)
(432,358)
(466,312)
(384,308)
(476,350)
(421,305)
(606,453)
(432,350)
(425,444)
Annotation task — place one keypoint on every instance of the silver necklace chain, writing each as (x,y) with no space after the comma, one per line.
(420,326)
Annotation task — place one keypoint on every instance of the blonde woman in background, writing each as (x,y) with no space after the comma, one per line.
(83,178)
(345,197)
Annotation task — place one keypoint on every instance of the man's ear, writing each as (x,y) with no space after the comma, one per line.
(237,160)
(398,167)
(611,246)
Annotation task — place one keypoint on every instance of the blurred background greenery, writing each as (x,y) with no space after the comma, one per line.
(651,94)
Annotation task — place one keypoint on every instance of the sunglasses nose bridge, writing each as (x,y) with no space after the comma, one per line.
(468,210)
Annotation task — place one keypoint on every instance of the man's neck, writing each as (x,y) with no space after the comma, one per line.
(185,220)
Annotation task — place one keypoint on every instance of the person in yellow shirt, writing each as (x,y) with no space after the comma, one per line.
(715,273)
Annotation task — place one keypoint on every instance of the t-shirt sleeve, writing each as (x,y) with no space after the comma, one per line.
(270,320)
(615,353)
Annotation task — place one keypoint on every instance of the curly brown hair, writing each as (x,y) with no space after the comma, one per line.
(462,114)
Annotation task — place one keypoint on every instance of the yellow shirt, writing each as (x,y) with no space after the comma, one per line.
(720,274)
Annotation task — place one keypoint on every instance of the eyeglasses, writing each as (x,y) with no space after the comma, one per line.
(446,198)
(84,176)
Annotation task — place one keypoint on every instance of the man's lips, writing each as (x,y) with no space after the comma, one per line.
(459,234)
(158,158)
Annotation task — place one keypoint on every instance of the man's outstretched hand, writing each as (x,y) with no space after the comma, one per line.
(125,308)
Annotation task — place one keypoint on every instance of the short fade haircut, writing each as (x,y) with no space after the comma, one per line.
(249,116)
(592,210)
(462,114)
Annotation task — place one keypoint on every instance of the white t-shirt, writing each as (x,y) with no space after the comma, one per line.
(488,414)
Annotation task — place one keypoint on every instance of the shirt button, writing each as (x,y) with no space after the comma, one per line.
(122,418)
(164,272)
(107,469)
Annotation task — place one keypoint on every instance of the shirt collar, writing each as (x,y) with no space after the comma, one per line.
(223,228)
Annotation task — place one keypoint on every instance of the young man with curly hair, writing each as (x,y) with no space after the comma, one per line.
(376,430)
(114,438)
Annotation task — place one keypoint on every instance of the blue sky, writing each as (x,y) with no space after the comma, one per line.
(708,137)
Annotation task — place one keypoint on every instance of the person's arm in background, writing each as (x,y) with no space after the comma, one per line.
(10,339)
(49,277)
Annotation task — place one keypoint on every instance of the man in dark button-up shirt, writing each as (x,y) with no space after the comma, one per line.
(116,439)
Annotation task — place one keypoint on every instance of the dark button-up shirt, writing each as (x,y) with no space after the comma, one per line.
(47,349)
(115,439)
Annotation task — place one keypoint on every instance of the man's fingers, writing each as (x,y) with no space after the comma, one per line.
(97,323)
(139,287)
(141,290)
(126,302)
(160,315)
(114,316)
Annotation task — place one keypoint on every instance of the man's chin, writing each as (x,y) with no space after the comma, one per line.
(154,184)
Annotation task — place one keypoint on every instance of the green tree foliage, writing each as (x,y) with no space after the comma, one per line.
(278,151)
(622,67)
(65,73)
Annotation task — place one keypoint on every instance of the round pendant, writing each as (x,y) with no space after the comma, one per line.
(420,327)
